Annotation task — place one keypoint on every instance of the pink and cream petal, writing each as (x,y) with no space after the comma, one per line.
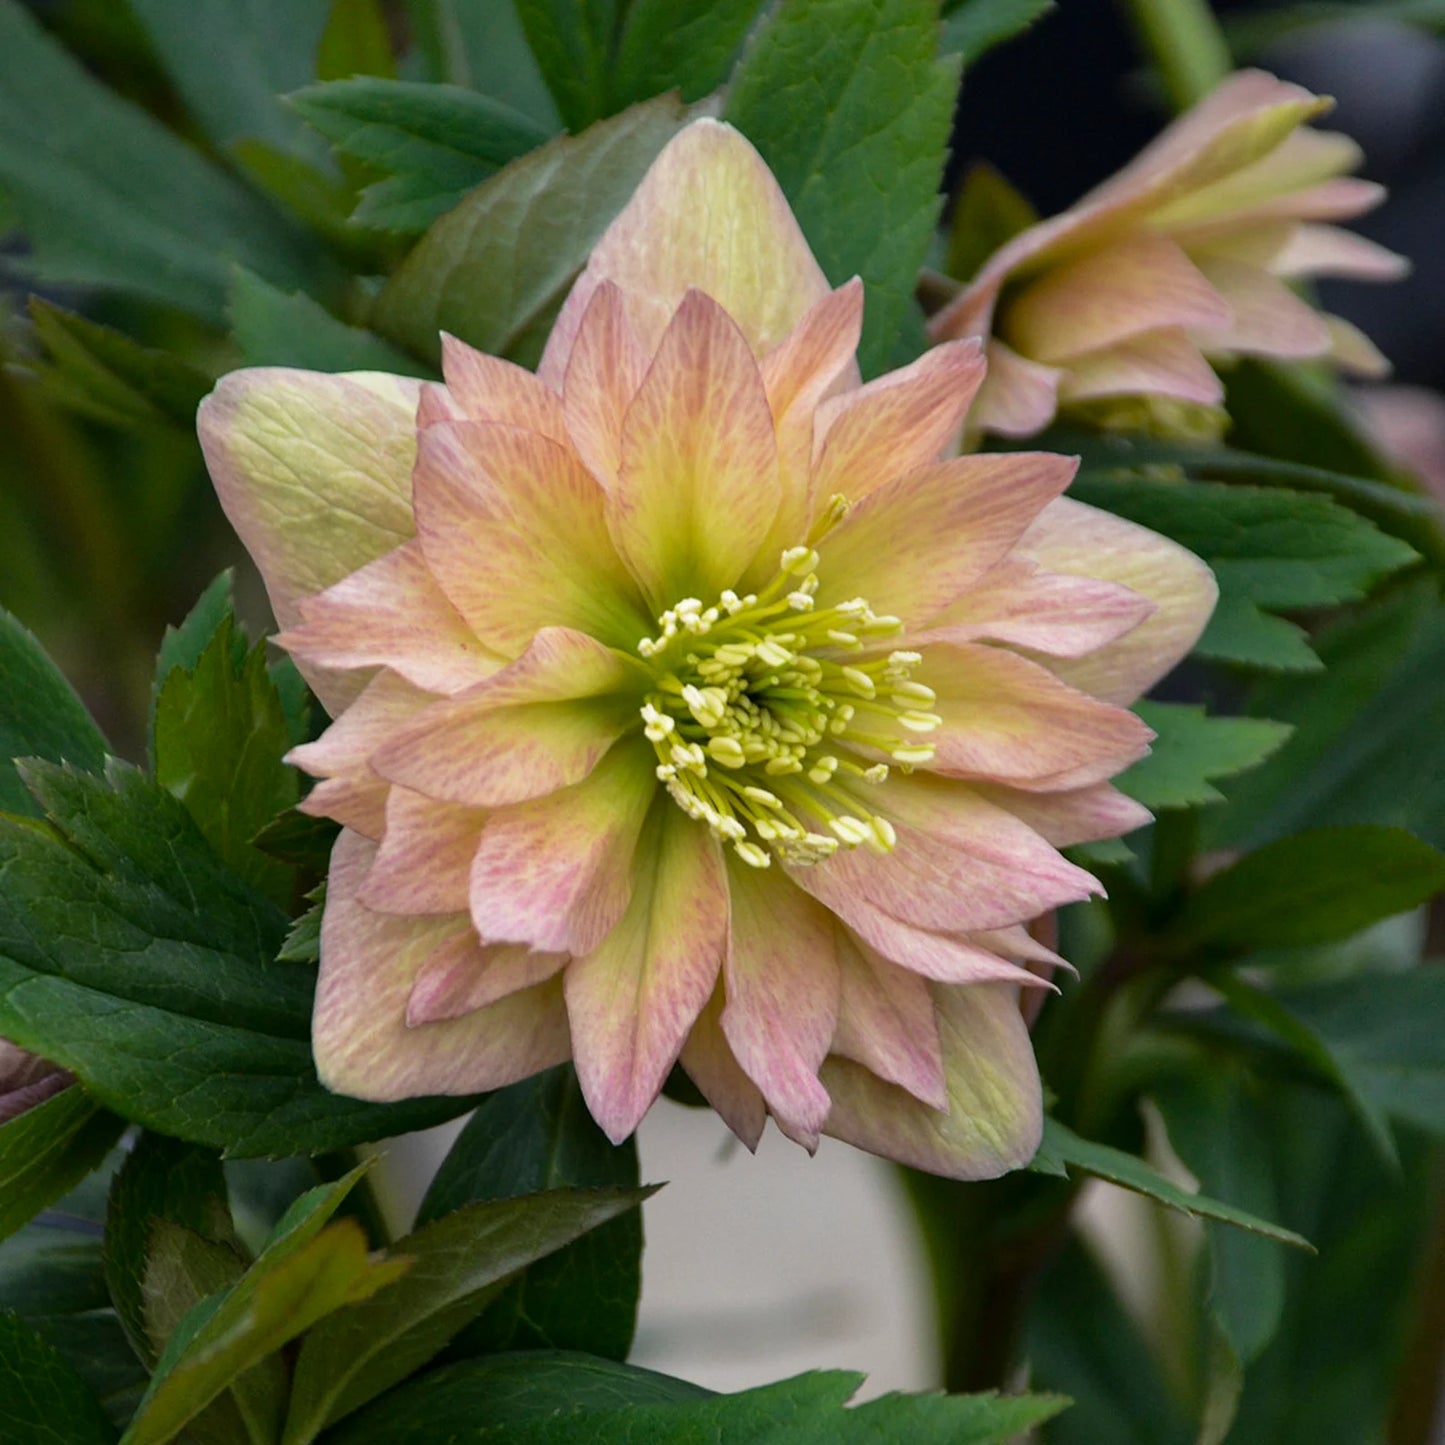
(539,724)
(994,1118)
(709,215)
(1333,251)
(358,803)
(425,857)
(632,1001)
(709,1062)
(1080,815)
(1267,318)
(605,369)
(487,389)
(1353,351)
(556,873)
(465,975)
(1158,363)
(1076,540)
(1018,397)
(369,964)
(698,486)
(896,424)
(782,988)
(511,525)
(346,747)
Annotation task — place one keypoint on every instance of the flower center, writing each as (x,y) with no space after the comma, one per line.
(760,705)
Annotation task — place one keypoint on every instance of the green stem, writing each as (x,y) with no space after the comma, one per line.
(1183,39)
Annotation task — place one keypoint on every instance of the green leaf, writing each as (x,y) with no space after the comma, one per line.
(460,1263)
(1191,749)
(42,1399)
(303,942)
(1313,887)
(108,197)
(130,955)
(971,28)
(1127,1171)
(987,213)
(495,270)
(851,108)
(40,716)
(103,374)
(677,45)
(572,42)
(434,143)
(46,1151)
(299,838)
(219,734)
(537,1135)
(1271,550)
(274,329)
(279,1298)
(542,1400)
(231,63)
(355,41)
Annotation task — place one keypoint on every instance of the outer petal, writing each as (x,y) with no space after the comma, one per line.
(605,369)
(1018,397)
(1331,251)
(512,528)
(709,215)
(1082,541)
(1267,319)
(698,486)
(1080,815)
(781,979)
(465,975)
(425,856)
(556,873)
(486,388)
(995,1104)
(632,1001)
(1158,363)
(539,724)
(711,1066)
(369,962)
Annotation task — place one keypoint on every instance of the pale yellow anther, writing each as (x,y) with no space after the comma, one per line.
(920,722)
(860,682)
(885,836)
(843,639)
(906,693)
(727,751)
(913,756)
(878,773)
(762,796)
(752,855)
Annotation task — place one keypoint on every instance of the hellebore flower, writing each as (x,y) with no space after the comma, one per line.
(1115,308)
(688,706)
(26,1081)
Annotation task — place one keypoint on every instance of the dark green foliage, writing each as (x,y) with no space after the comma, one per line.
(42,1399)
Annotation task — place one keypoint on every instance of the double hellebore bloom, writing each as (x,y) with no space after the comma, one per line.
(1115,308)
(688,706)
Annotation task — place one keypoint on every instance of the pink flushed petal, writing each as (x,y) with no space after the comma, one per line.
(1082,815)
(886,1023)
(465,975)
(512,527)
(1158,363)
(896,424)
(1331,251)
(436,405)
(605,369)
(1017,602)
(539,724)
(710,215)
(781,983)
(719,1077)
(425,856)
(1009,720)
(1018,397)
(1018,942)
(1076,540)
(633,1000)
(369,964)
(1351,350)
(995,1103)
(487,389)
(698,486)
(556,873)
(1268,318)
(355,803)
(392,613)
(345,749)
(813,362)
(952,521)
(1138,284)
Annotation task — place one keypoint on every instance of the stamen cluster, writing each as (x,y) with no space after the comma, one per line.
(760,703)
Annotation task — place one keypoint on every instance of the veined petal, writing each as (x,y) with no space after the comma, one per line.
(1156,363)
(897,423)
(995,1105)
(1267,319)
(1009,720)
(886,1023)
(1137,284)
(369,962)
(913,546)
(556,873)
(1080,815)
(486,388)
(781,982)
(391,613)
(511,525)
(425,856)
(698,485)
(1333,251)
(719,1077)
(537,725)
(346,747)
(1076,540)
(605,369)
(709,215)
(465,975)
(633,999)
(358,803)
(1018,397)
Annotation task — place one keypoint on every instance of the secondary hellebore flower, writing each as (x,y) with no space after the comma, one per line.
(688,705)
(26,1081)
(1115,308)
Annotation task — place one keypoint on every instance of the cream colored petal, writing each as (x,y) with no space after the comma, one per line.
(486,388)
(1351,350)
(465,975)
(1018,397)
(425,856)
(605,369)
(1156,363)
(1079,815)
(1267,319)
(1332,251)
